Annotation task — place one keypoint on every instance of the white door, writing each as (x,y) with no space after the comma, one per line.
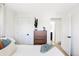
(66,34)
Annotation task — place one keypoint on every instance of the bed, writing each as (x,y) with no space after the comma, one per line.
(34,50)
(14,49)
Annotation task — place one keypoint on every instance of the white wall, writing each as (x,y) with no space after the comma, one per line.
(1,20)
(9,22)
(23,26)
(6,21)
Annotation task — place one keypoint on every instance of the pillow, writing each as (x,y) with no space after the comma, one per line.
(1,45)
(6,42)
(11,39)
(45,48)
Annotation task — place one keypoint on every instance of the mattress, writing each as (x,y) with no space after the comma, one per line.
(34,50)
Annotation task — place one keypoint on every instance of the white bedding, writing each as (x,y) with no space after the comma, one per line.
(34,50)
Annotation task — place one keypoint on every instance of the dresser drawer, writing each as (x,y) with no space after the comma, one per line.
(40,37)
(39,41)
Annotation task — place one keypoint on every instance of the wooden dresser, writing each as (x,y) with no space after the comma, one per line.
(40,37)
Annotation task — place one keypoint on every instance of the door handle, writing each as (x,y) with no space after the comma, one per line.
(68,36)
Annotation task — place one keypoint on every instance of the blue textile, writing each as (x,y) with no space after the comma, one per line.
(45,48)
(6,42)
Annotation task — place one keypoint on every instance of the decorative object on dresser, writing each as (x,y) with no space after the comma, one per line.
(40,37)
(36,22)
(44,28)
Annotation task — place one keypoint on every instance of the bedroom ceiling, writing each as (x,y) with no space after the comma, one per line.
(41,8)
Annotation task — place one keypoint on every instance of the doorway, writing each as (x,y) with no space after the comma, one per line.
(56,29)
